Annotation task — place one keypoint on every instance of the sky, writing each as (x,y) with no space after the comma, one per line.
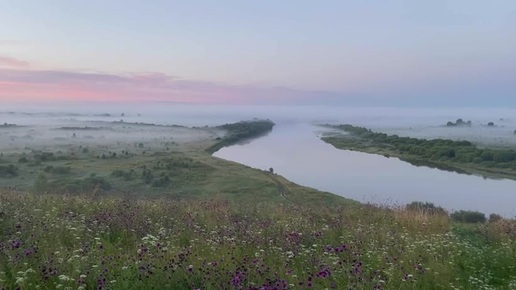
(333,52)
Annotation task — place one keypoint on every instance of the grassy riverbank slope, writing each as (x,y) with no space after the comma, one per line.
(135,160)
(460,156)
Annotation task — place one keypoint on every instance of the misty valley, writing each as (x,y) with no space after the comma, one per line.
(144,199)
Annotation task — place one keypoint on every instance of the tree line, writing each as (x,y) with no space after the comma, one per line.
(436,149)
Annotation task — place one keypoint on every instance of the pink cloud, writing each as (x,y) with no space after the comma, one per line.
(6,61)
(17,83)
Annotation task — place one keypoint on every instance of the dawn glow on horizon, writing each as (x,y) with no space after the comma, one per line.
(260,52)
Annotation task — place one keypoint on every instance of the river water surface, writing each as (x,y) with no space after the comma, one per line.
(296,152)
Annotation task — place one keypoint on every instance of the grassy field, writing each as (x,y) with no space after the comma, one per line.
(84,221)
(87,242)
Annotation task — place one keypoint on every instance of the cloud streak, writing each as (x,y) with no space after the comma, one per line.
(27,84)
(11,62)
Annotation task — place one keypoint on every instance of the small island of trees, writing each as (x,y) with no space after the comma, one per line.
(459,122)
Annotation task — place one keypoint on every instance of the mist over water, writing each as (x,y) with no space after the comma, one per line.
(294,149)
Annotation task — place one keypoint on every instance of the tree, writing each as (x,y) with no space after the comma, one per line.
(468,216)
(271,170)
(495,218)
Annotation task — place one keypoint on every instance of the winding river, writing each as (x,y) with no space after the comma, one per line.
(296,152)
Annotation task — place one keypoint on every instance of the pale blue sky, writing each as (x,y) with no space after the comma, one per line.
(377,50)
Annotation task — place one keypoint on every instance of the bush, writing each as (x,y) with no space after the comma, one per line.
(8,171)
(147,176)
(40,184)
(58,169)
(44,156)
(85,185)
(162,182)
(126,175)
(466,216)
(426,207)
(494,218)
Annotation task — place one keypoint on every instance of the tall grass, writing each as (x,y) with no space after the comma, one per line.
(81,242)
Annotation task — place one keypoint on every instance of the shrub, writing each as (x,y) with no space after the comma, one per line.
(126,175)
(162,182)
(468,216)
(8,171)
(40,184)
(147,176)
(85,185)
(426,207)
(494,218)
(58,169)
(44,156)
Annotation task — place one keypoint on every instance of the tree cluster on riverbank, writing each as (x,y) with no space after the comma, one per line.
(241,131)
(442,151)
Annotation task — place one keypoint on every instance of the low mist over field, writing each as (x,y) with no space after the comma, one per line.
(414,122)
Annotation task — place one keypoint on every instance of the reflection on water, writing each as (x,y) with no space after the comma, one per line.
(296,152)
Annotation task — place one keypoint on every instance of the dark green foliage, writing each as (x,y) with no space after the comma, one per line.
(8,171)
(58,169)
(459,122)
(147,176)
(427,207)
(84,185)
(162,182)
(41,184)
(468,216)
(237,132)
(435,150)
(495,218)
(44,156)
(23,160)
(126,175)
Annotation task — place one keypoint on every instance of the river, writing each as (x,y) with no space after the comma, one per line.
(296,152)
